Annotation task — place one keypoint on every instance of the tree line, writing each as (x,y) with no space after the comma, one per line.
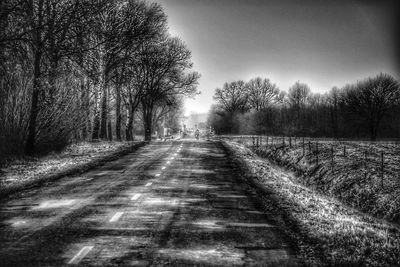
(87,70)
(368,108)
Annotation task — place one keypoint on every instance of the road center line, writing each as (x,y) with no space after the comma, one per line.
(116,216)
(163,168)
(168,162)
(148,184)
(80,255)
(136,196)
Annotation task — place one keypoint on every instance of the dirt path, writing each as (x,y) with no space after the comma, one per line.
(177,203)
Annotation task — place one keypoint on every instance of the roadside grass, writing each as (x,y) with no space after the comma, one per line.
(76,158)
(354,178)
(325,228)
(352,173)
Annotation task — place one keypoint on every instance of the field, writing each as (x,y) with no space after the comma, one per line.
(364,175)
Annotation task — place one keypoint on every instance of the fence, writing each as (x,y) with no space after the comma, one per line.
(327,151)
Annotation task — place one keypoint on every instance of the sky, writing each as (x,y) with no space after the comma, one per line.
(319,42)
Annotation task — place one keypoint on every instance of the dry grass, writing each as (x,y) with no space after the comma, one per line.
(339,235)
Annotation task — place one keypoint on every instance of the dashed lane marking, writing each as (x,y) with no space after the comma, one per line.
(168,162)
(116,216)
(136,196)
(148,184)
(163,168)
(80,255)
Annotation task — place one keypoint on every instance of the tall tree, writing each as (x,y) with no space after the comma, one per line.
(164,74)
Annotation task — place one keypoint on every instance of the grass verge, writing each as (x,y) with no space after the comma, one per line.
(328,233)
(75,159)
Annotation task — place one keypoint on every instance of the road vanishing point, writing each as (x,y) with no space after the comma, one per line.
(174,203)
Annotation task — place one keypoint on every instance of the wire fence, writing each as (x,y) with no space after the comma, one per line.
(380,159)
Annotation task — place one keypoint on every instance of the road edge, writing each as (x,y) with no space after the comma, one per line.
(271,202)
(81,168)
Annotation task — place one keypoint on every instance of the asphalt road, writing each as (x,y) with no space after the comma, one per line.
(176,203)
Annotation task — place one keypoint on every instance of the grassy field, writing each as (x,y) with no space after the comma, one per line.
(328,232)
(362,174)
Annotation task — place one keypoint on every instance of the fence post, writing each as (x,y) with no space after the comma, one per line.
(344,151)
(290,141)
(303,146)
(267,143)
(382,170)
(254,141)
(333,156)
(261,141)
(316,145)
(283,141)
(309,146)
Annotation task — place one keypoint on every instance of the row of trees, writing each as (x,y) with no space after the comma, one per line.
(366,109)
(86,69)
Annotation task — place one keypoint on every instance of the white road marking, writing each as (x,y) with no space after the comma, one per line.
(163,168)
(56,203)
(175,154)
(173,158)
(136,196)
(116,216)
(81,254)
(148,184)
(168,162)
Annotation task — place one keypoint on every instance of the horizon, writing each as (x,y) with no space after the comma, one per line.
(335,43)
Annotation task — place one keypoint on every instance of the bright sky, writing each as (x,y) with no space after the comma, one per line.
(322,43)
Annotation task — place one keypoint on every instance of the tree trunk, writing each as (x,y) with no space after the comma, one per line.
(96,118)
(109,128)
(30,142)
(129,125)
(103,121)
(84,109)
(96,126)
(118,117)
(147,119)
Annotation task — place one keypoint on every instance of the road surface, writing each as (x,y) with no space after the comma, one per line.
(176,203)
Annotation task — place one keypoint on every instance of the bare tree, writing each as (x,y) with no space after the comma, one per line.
(233,97)
(372,98)
(261,93)
(333,102)
(164,74)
